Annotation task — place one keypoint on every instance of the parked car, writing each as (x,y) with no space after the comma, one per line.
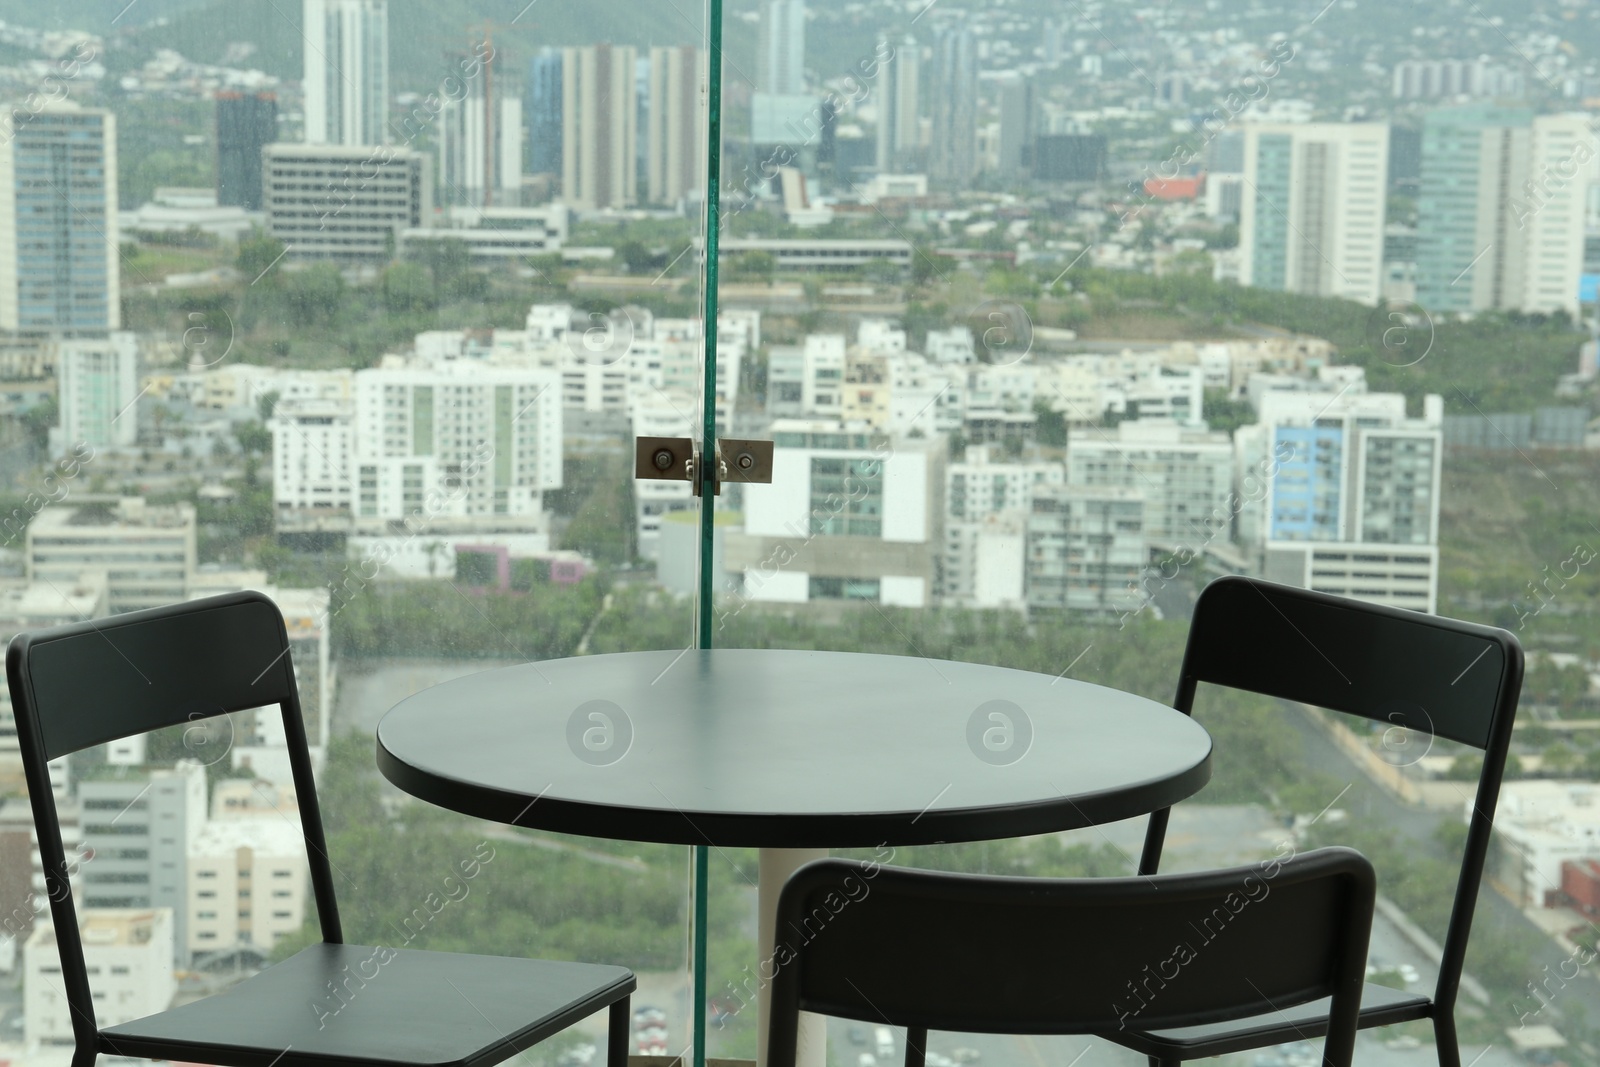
(885,1041)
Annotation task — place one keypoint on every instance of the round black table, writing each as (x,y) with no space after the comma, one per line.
(789,751)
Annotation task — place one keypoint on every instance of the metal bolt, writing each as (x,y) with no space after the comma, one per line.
(746,461)
(663,459)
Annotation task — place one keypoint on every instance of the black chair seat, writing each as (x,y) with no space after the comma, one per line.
(431,1009)
(1380,1006)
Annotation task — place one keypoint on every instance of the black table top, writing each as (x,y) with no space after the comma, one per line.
(788,749)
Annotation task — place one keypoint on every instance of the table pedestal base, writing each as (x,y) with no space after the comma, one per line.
(777,864)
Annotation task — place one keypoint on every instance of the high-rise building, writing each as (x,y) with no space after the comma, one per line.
(97,382)
(140,825)
(344,203)
(1500,212)
(542,107)
(1312,208)
(599,135)
(346,72)
(58,200)
(677,137)
(246,123)
(1017,128)
(899,127)
(953,84)
(480,144)
(781,44)
(1342,492)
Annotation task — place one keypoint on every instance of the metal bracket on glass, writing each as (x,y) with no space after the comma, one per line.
(674,459)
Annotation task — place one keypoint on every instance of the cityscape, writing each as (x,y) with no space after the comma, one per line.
(1050,312)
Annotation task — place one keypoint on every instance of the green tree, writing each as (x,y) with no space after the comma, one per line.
(1224,413)
(316,293)
(407,288)
(257,252)
(253,438)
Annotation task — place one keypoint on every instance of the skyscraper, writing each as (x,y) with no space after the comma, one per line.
(781,55)
(59,203)
(1312,208)
(953,151)
(347,71)
(542,106)
(677,142)
(899,128)
(599,135)
(245,122)
(1017,128)
(1501,208)
(480,143)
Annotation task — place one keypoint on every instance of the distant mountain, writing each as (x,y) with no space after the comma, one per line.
(420,31)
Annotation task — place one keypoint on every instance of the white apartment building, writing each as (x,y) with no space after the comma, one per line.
(661,413)
(1311,211)
(925,399)
(1340,491)
(1184,475)
(129,954)
(147,552)
(822,395)
(347,204)
(880,337)
(457,440)
(850,515)
(141,826)
(312,445)
(97,383)
(998,403)
(1086,549)
(982,485)
(1540,825)
(953,345)
(984,562)
(247,884)
(242,386)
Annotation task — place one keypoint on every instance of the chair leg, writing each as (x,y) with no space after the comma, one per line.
(1444,1036)
(916,1046)
(616,1034)
(1157,1061)
(84,1056)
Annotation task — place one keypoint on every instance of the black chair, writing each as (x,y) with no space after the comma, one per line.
(979,954)
(331,1004)
(1410,671)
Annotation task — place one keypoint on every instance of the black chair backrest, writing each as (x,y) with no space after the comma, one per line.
(980,954)
(1411,671)
(89,683)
